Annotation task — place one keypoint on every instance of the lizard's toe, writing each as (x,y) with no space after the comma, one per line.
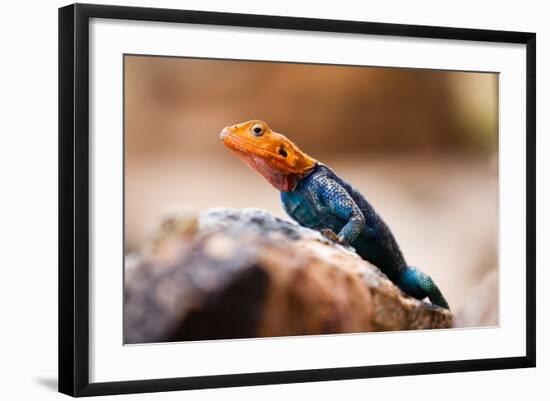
(331,235)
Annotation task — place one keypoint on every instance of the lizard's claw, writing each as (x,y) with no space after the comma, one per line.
(331,235)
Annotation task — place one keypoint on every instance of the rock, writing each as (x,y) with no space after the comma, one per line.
(245,273)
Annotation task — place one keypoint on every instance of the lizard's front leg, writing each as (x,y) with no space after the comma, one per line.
(339,203)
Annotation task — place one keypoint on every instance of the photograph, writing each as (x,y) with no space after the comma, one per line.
(267,198)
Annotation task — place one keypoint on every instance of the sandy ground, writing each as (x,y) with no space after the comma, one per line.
(443,211)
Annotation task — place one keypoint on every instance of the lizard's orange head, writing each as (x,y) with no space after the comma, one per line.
(271,154)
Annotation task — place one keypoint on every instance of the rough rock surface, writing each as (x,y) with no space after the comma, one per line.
(229,273)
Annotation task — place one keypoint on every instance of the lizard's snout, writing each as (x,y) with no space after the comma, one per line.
(224,133)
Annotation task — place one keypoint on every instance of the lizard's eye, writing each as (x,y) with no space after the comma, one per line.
(257,130)
(282,152)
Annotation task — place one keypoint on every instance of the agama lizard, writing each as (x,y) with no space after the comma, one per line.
(316,197)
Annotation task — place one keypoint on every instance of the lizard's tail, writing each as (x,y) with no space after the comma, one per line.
(419,285)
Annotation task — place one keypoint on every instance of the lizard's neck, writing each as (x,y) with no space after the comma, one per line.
(293,180)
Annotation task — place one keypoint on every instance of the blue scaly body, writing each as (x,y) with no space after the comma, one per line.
(322,200)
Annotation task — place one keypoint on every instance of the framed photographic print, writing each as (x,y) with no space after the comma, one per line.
(251,199)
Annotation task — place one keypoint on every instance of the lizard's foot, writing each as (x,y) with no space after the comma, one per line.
(331,235)
(419,285)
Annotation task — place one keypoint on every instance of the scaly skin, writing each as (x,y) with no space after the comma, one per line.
(316,197)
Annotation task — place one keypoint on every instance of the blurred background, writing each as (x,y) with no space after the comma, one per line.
(421,145)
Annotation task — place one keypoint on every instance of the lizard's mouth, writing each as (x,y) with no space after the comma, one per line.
(247,150)
(261,160)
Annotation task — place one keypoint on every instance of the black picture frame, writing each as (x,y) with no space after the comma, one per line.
(74,198)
